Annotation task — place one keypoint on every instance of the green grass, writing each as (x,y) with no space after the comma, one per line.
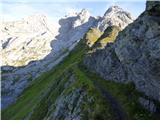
(99,108)
(108,36)
(43,92)
(92,36)
(32,95)
(127,96)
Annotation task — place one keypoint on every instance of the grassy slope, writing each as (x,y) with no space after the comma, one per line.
(92,35)
(33,94)
(127,96)
(47,88)
(108,36)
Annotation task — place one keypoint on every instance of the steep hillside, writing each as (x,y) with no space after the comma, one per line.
(88,82)
(62,93)
(134,57)
(71,92)
(34,45)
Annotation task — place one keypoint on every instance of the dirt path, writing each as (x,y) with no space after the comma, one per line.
(120,115)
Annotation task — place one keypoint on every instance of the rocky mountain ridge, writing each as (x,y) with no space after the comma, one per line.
(134,57)
(29,51)
(70,91)
(33,46)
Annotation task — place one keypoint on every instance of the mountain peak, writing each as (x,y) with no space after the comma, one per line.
(82,17)
(116,10)
(35,17)
(84,13)
(113,9)
(115,15)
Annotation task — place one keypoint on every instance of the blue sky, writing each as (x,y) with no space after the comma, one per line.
(55,9)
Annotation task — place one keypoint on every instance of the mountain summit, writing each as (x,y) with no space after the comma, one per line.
(115,16)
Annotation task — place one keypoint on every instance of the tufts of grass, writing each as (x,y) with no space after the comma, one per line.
(108,36)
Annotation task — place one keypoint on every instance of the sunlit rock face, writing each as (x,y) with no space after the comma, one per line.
(27,40)
(115,16)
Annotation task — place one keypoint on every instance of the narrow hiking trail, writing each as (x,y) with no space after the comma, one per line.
(115,105)
(117,108)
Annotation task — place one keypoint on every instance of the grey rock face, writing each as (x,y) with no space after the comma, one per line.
(69,107)
(152,5)
(135,55)
(147,104)
(106,63)
(27,39)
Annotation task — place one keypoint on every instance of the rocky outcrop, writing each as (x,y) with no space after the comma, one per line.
(134,57)
(69,107)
